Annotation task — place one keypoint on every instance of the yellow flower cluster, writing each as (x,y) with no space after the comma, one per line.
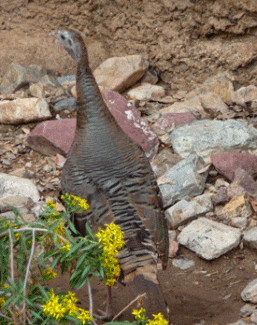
(8,224)
(72,201)
(49,274)
(59,306)
(54,213)
(111,240)
(140,315)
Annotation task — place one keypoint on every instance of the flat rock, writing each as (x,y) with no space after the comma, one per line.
(183,181)
(130,121)
(228,162)
(209,239)
(120,73)
(221,84)
(183,263)
(184,211)
(23,110)
(238,207)
(245,95)
(17,186)
(213,104)
(242,183)
(17,75)
(169,121)
(52,137)
(249,294)
(146,91)
(250,238)
(206,137)
(193,105)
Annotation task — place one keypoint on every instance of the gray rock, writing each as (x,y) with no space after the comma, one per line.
(183,181)
(250,237)
(17,186)
(185,211)
(66,103)
(206,137)
(61,80)
(249,294)
(247,310)
(245,95)
(183,263)
(240,322)
(209,239)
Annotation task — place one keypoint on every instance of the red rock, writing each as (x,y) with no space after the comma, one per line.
(168,120)
(227,163)
(130,121)
(52,137)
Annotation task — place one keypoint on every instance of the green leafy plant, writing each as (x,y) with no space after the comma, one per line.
(30,253)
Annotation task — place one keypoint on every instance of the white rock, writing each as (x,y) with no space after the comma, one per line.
(184,211)
(182,263)
(245,95)
(250,292)
(17,186)
(23,110)
(209,239)
(120,73)
(146,92)
(209,136)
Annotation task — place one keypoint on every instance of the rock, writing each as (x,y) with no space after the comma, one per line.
(183,263)
(17,75)
(163,161)
(238,207)
(221,84)
(240,322)
(18,202)
(66,79)
(207,137)
(120,73)
(228,162)
(130,121)
(17,186)
(37,90)
(249,294)
(245,95)
(193,105)
(221,196)
(247,310)
(209,239)
(66,103)
(52,137)
(184,211)
(169,121)
(213,105)
(150,77)
(242,183)
(173,248)
(186,179)
(250,238)
(254,317)
(23,110)
(146,91)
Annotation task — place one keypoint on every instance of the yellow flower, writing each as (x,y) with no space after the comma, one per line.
(72,201)
(140,315)
(49,274)
(69,304)
(111,240)
(54,214)
(53,307)
(17,236)
(158,320)
(84,316)
(2,302)
(66,247)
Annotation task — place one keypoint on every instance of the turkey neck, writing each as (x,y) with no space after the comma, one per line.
(91,108)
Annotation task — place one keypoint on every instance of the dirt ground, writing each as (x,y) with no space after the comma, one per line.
(185,41)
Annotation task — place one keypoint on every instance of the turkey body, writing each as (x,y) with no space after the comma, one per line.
(109,170)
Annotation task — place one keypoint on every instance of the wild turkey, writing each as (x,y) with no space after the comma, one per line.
(112,172)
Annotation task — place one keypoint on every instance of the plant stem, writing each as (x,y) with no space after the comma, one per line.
(11,254)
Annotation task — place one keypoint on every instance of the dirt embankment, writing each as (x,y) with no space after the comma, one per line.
(186,41)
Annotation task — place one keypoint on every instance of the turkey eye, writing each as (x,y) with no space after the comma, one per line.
(62,37)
